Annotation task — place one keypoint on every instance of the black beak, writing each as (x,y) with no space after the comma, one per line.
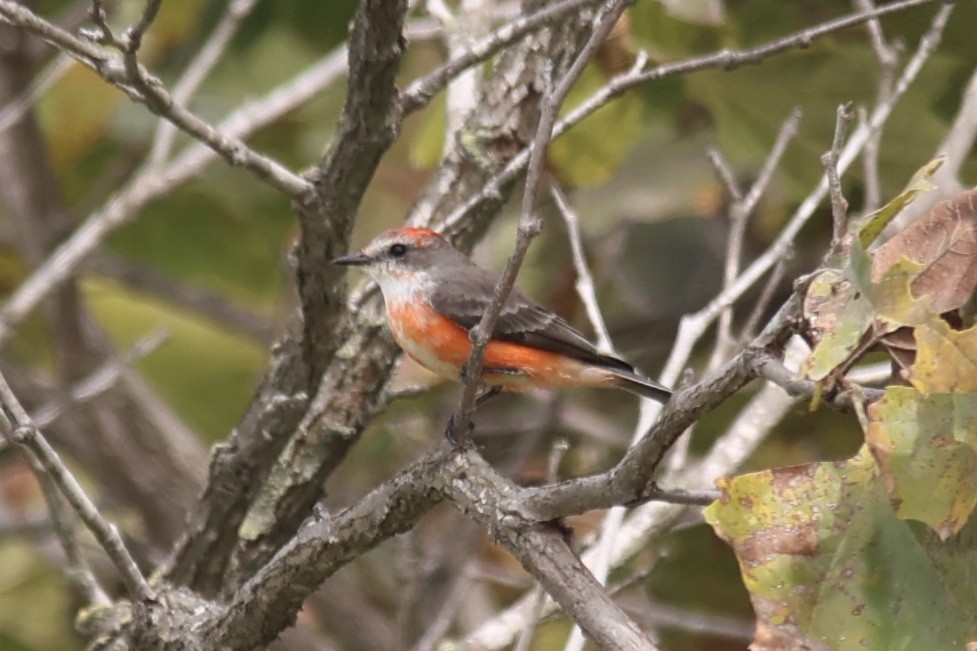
(353,260)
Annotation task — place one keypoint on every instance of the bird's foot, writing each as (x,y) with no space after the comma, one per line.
(451,432)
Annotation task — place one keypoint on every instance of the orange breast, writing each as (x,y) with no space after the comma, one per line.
(442,346)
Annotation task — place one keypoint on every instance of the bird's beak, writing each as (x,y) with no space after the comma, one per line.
(353,260)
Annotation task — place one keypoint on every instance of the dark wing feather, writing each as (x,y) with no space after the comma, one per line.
(465,297)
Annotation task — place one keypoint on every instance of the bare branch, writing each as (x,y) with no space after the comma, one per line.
(98,382)
(725,173)
(585,280)
(77,567)
(774,371)
(839,205)
(369,123)
(207,57)
(888,56)
(740,210)
(725,59)
(267,602)
(150,91)
(421,91)
(151,184)
(642,523)
(694,326)
(530,224)
(542,549)
(766,297)
(20,429)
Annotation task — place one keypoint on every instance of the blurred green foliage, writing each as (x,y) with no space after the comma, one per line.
(649,208)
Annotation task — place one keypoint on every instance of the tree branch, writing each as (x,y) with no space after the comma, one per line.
(725,59)
(422,91)
(134,80)
(530,224)
(19,428)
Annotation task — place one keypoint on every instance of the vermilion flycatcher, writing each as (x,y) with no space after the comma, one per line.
(434,295)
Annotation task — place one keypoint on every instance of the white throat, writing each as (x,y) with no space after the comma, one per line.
(409,286)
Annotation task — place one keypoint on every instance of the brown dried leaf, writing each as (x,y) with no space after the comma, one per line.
(901,346)
(944,241)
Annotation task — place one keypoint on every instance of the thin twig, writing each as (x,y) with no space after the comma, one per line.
(19,428)
(839,205)
(99,381)
(422,90)
(725,173)
(637,75)
(530,224)
(738,219)
(538,598)
(740,210)
(134,35)
(78,569)
(665,616)
(775,371)
(16,108)
(146,89)
(103,33)
(208,304)
(888,56)
(690,497)
(207,57)
(765,299)
(585,280)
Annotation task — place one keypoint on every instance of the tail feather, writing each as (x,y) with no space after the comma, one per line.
(641,386)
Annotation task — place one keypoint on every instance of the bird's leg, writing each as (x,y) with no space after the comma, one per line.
(452,435)
(486,394)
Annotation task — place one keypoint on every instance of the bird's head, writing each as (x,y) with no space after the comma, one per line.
(399,253)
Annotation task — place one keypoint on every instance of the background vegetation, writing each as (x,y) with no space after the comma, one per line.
(158,340)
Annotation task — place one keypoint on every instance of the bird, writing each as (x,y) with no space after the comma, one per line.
(434,295)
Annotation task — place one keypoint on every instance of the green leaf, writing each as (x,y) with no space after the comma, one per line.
(946,359)
(842,314)
(869,227)
(926,449)
(892,298)
(830,565)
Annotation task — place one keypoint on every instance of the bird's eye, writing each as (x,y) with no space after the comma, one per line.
(397,250)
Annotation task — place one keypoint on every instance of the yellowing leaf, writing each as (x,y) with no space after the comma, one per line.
(893,300)
(926,449)
(841,314)
(869,227)
(946,359)
(830,566)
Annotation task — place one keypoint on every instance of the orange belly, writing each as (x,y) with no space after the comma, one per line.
(442,346)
